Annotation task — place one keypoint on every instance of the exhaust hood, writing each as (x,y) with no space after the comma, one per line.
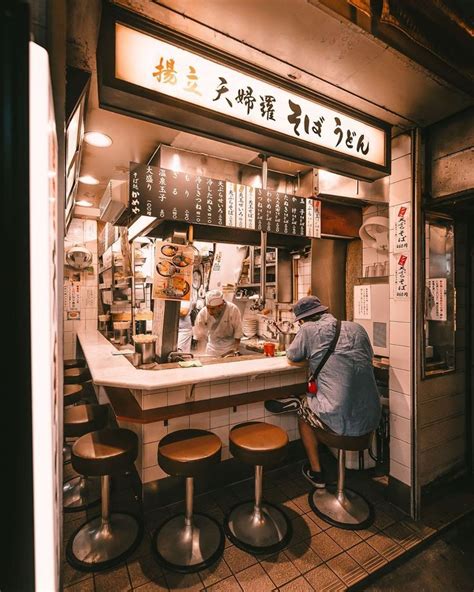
(114,202)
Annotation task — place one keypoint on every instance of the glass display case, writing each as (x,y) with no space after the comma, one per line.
(439,325)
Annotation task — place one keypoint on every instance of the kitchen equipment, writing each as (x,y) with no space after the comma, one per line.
(145,345)
(285,340)
(122,332)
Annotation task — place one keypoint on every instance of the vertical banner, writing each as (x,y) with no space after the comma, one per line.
(362,302)
(250,207)
(313,218)
(436,308)
(402,278)
(401,231)
(231,193)
(240,205)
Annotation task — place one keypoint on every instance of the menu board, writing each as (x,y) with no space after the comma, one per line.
(173,274)
(196,199)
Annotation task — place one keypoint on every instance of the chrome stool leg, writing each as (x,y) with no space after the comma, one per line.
(80,493)
(66,452)
(257,526)
(340,506)
(105,540)
(188,542)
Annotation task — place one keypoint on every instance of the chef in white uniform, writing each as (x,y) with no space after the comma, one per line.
(219,324)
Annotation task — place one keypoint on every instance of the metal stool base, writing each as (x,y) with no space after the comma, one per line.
(264,532)
(187,549)
(349,510)
(80,493)
(96,546)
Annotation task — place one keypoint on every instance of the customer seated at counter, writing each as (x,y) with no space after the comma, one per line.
(347,401)
(219,325)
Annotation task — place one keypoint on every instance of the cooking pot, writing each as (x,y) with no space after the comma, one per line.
(285,340)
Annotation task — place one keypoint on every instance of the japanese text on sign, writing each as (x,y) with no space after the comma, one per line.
(402,278)
(436,309)
(165,68)
(362,302)
(401,240)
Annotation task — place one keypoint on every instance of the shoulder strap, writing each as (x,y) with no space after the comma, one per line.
(329,351)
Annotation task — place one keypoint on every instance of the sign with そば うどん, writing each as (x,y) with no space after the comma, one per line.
(196,80)
(170,195)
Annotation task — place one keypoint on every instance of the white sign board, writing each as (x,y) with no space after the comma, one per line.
(163,67)
(436,309)
(401,231)
(362,302)
(402,278)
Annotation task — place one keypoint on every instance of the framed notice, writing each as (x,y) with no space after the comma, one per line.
(173,275)
(362,302)
(436,299)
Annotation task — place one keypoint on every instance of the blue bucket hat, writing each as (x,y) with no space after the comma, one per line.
(307,306)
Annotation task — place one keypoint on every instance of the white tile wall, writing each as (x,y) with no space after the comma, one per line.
(401,353)
(219,421)
(82,232)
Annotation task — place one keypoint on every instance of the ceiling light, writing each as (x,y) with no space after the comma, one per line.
(98,139)
(83,202)
(89,180)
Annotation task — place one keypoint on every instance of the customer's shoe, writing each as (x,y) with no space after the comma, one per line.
(283,405)
(316,478)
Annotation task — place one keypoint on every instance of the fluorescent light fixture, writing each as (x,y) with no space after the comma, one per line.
(98,139)
(83,202)
(89,180)
(139,226)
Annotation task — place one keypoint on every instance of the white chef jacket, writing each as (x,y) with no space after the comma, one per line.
(220,333)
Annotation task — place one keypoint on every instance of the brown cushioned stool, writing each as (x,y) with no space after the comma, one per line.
(74,363)
(105,540)
(80,492)
(73,394)
(336,504)
(189,542)
(257,526)
(77,375)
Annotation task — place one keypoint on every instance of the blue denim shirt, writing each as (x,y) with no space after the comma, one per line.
(347,400)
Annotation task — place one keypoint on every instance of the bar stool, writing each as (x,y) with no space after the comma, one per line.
(82,492)
(74,363)
(73,394)
(77,375)
(257,526)
(106,540)
(188,542)
(336,504)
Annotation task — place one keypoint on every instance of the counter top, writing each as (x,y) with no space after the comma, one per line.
(117,371)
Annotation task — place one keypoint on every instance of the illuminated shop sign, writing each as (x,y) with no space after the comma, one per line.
(160,66)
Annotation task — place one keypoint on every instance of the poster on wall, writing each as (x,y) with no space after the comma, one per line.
(436,292)
(173,274)
(72,296)
(362,302)
(401,230)
(402,278)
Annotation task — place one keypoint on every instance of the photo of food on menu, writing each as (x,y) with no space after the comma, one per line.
(173,275)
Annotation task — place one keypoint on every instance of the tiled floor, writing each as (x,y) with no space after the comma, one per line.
(319,557)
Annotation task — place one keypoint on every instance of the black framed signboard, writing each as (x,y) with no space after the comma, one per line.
(171,195)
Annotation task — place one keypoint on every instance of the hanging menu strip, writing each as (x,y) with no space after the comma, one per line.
(172,195)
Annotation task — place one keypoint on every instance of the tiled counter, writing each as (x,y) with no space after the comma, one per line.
(156,391)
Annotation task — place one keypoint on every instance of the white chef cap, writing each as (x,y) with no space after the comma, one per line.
(214,298)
